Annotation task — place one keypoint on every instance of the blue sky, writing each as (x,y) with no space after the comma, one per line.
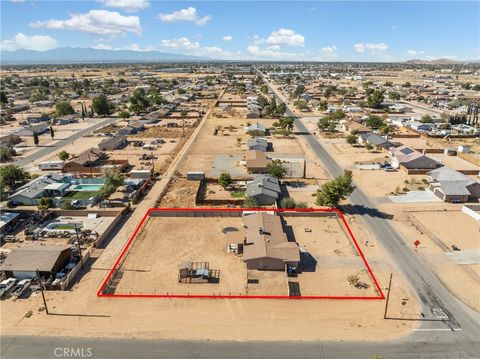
(324,31)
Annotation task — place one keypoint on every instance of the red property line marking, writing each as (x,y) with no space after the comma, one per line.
(212,296)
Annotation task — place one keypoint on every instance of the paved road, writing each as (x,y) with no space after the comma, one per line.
(436,300)
(423,108)
(63,142)
(54,347)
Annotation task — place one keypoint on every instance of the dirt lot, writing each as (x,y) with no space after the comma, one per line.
(328,258)
(180,194)
(152,263)
(440,229)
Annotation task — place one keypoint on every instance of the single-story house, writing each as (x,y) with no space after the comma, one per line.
(253,113)
(264,189)
(263,243)
(65,120)
(257,128)
(50,185)
(354,126)
(375,140)
(420,126)
(89,158)
(257,161)
(453,186)
(411,159)
(9,140)
(112,143)
(28,131)
(258,144)
(23,263)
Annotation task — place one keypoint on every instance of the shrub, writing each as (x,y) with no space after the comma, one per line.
(287,202)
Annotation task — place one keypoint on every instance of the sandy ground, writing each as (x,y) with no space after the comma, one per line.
(151,265)
(81,313)
(447,228)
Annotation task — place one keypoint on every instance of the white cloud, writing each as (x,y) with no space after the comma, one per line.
(272,52)
(415,52)
(181,43)
(373,48)
(394,27)
(227,38)
(101,22)
(188,14)
(329,52)
(101,46)
(285,37)
(35,42)
(127,5)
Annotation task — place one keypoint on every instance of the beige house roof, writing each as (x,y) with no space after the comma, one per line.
(264,237)
(256,159)
(31,258)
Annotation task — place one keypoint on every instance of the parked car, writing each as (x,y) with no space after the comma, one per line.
(6,285)
(21,287)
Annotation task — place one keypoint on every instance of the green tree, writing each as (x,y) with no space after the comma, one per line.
(369,146)
(124,114)
(45,203)
(334,191)
(375,99)
(36,140)
(63,108)
(286,123)
(63,155)
(374,122)
(3,98)
(287,202)
(427,119)
(250,202)
(352,139)
(113,177)
(323,106)
(264,89)
(277,169)
(225,179)
(281,109)
(101,106)
(139,101)
(300,89)
(12,176)
(393,95)
(6,153)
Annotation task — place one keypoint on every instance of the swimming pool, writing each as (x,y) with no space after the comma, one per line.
(87,187)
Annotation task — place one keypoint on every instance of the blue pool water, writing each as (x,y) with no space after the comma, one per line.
(87,187)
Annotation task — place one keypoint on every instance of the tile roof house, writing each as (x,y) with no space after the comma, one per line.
(453,186)
(264,189)
(263,243)
(411,159)
(257,161)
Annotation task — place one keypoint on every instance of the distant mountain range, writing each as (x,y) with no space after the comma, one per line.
(439,62)
(89,55)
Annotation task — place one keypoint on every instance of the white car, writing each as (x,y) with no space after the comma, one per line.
(6,285)
(21,287)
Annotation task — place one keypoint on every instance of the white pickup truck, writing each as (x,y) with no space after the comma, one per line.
(6,285)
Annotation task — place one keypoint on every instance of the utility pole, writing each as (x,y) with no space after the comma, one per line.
(78,246)
(388,296)
(42,289)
